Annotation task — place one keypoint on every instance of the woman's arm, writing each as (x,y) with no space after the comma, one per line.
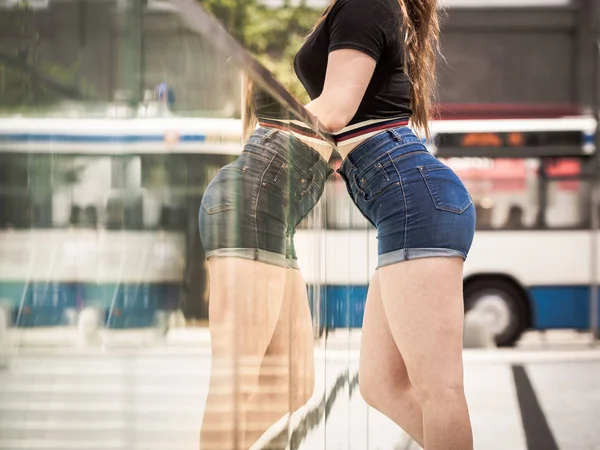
(348,75)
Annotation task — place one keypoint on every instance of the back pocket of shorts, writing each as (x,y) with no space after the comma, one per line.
(211,208)
(222,193)
(447,191)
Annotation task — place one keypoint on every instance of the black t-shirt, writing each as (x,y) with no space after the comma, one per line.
(372,27)
(265,105)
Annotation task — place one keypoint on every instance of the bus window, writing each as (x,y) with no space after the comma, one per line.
(504,190)
(568,193)
(15,196)
(514,221)
(568,204)
(182,171)
(13,171)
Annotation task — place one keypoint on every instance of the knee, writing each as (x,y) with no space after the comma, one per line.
(375,387)
(302,390)
(367,391)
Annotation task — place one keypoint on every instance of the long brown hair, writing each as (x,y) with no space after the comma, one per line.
(420,31)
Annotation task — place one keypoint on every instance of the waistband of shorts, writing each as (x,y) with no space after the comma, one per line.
(294,127)
(357,133)
(274,143)
(396,139)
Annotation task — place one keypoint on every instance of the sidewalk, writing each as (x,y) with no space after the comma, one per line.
(338,344)
(153,397)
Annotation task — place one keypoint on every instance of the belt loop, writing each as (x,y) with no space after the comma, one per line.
(395,134)
(268,136)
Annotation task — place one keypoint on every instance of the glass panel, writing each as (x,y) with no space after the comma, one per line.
(125,162)
(349,248)
(116,117)
(341,212)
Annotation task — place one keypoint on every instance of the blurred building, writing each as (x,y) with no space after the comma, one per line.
(497,51)
(538,51)
(112,51)
(513,51)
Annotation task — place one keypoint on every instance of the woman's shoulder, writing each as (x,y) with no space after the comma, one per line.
(366,5)
(379,8)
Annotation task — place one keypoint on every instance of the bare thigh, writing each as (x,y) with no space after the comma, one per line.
(423,304)
(292,342)
(246,299)
(381,364)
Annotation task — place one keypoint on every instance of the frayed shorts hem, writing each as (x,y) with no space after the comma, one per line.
(255,254)
(407,254)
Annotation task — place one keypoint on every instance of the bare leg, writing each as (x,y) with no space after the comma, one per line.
(423,303)
(383,379)
(286,380)
(246,300)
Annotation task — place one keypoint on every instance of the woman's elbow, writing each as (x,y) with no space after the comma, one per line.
(335,124)
(332,115)
(337,119)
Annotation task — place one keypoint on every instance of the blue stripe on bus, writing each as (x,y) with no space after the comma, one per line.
(554,307)
(340,306)
(44,304)
(589,138)
(560,307)
(95,139)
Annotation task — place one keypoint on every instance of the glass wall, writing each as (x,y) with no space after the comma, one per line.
(181,267)
(115,118)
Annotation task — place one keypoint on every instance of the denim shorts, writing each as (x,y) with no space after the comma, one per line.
(418,205)
(252,207)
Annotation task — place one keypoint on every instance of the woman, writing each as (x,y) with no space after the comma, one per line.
(259,318)
(369,68)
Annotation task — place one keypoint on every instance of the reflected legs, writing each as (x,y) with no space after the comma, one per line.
(245,303)
(286,379)
(262,360)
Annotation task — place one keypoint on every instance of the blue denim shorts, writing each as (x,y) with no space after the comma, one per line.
(418,205)
(252,207)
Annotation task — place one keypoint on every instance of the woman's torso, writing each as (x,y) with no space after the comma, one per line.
(371,26)
(271,114)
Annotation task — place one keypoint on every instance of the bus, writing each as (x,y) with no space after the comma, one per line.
(102,213)
(534,260)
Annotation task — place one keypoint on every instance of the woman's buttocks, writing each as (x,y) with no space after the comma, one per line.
(257,201)
(414,200)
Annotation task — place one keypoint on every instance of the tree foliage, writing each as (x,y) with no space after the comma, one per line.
(273,35)
(26,80)
(29,80)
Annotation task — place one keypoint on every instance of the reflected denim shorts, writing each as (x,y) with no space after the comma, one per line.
(418,205)
(252,207)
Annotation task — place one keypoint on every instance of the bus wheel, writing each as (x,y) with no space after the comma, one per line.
(501,304)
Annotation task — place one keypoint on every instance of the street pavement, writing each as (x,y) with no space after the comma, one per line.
(544,395)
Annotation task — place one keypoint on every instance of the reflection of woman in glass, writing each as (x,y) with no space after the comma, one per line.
(259,316)
(369,67)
